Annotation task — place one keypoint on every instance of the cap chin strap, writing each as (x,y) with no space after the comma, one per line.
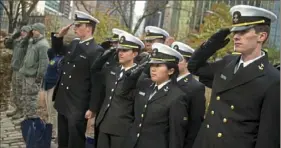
(248,23)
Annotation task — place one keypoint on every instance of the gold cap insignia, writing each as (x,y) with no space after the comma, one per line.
(154,52)
(176,47)
(122,39)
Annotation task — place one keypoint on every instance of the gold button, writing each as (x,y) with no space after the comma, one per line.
(110,98)
(69,76)
(74,65)
(145,106)
(138,134)
(212,112)
(219,135)
(67,87)
(224,120)
(218,98)
(208,126)
(108,105)
(232,107)
(142,115)
(140,125)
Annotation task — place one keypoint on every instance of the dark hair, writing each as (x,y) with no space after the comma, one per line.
(171,65)
(93,27)
(262,28)
(174,76)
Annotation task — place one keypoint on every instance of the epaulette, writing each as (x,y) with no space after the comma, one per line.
(235,53)
(76,39)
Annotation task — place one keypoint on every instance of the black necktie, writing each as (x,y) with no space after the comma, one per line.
(154,91)
(241,66)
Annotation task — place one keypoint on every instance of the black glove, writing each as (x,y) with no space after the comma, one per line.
(207,49)
(136,72)
(217,40)
(105,45)
(16,35)
(98,64)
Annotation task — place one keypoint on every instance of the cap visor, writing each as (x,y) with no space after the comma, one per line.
(156,62)
(241,28)
(122,47)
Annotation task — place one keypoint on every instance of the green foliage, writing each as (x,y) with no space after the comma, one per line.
(273,55)
(218,17)
(104,28)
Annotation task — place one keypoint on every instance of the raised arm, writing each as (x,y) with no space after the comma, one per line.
(198,64)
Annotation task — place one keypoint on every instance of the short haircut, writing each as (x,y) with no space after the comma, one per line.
(93,27)
(262,28)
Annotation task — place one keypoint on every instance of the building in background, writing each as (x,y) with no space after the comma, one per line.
(65,8)
(274,36)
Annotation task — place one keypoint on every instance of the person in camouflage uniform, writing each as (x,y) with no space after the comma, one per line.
(18,43)
(33,69)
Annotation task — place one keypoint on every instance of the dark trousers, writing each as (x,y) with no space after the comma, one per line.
(110,141)
(71,132)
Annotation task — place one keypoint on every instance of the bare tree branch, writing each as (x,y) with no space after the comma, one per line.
(32,7)
(5,8)
(77,5)
(146,14)
(85,7)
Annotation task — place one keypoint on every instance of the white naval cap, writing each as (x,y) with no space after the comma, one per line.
(153,32)
(116,33)
(245,17)
(182,48)
(82,18)
(162,53)
(128,41)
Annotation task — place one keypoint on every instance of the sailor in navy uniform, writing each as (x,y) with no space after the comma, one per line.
(159,108)
(113,60)
(195,95)
(74,93)
(154,35)
(244,110)
(116,114)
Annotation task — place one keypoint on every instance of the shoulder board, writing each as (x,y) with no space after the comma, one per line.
(235,53)
(76,39)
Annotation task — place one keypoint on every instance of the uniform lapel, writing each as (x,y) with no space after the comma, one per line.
(226,75)
(161,93)
(185,80)
(250,72)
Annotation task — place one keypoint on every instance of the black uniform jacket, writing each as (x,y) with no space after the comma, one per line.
(74,92)
(244,110)
(116,114)
(195,92)
(158,121)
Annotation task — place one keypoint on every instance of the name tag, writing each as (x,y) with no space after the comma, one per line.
(111,72)
(107,63)
(184,118)
(141,93)
(83,57)
(223,76)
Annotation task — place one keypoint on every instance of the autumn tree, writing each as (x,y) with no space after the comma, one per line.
(16,9)
(107,23)
(216,18)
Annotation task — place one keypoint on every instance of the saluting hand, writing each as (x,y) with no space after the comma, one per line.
(64,31)
(217,40)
